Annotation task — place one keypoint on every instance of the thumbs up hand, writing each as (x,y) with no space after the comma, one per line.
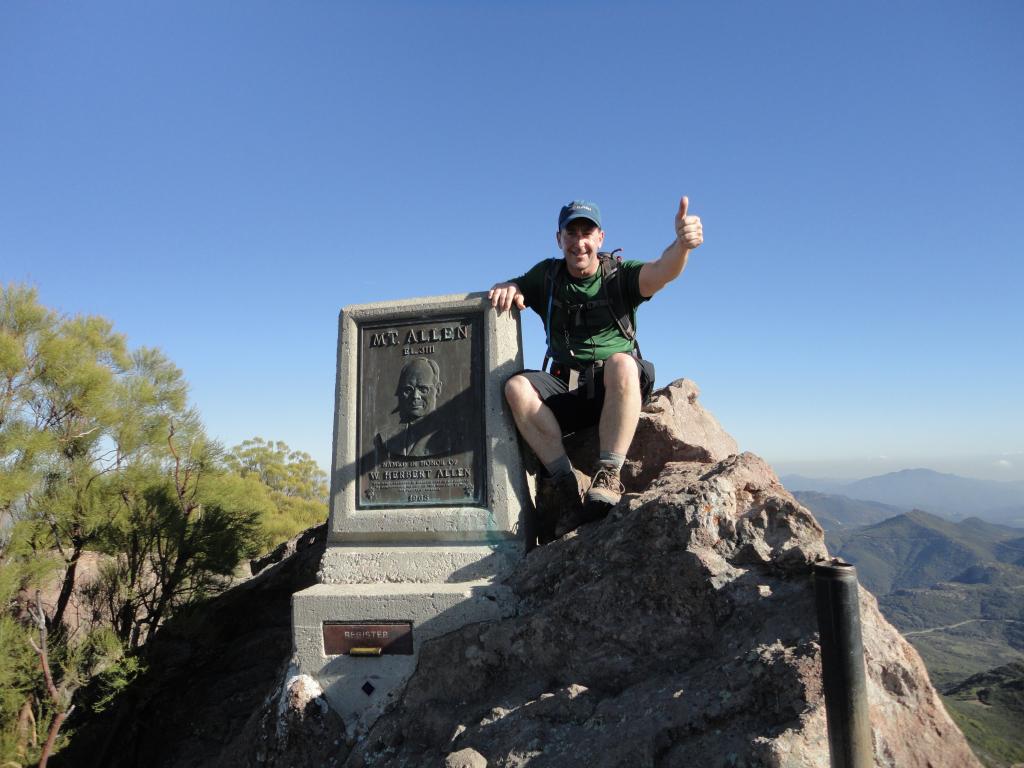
(689,230)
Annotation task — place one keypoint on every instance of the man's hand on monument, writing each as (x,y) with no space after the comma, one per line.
(689,230)
(504,295)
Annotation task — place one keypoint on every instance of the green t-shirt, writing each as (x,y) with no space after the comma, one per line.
(576,333)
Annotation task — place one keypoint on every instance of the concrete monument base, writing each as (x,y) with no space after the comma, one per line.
(425,564)
(360,688)
(427,496)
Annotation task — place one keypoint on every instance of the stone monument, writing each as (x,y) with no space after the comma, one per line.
(427,494)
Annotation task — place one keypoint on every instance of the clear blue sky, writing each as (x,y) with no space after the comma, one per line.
(219,179)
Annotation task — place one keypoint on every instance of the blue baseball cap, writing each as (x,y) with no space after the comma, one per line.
(579,209)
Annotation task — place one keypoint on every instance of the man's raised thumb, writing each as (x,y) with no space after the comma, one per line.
(684,203)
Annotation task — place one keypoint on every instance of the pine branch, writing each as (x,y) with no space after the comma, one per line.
(44,662)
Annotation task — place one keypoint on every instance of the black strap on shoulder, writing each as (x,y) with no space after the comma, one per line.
(613,295)
(555,272)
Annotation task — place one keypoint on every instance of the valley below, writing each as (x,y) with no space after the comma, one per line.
(953,584)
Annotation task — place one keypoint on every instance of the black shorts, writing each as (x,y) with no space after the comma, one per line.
(575,409)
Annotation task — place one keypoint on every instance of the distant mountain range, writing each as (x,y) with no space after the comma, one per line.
(950,496)
(837,513)
(956,591)
(918,549)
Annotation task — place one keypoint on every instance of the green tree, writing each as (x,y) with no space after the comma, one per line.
(88,426)
(59,407)
(296,484)
(20,679)
(182,527)
(100,451)
(25,327)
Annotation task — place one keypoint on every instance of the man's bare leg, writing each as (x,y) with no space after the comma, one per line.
(619,416)
(621,410)
(558,495)
(536,423)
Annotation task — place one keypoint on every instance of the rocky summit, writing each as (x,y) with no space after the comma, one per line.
(678,631)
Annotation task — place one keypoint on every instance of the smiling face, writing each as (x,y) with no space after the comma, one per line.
(418,387)
(580,240)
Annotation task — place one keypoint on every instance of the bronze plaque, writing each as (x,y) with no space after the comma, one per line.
(391,638)
(421,420)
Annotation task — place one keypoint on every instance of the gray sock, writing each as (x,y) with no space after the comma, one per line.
(559,468)
(610,459)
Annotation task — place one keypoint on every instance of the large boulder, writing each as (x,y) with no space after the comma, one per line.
(679,631)
(673,426)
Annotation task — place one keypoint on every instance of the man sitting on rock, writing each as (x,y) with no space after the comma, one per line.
(587,301)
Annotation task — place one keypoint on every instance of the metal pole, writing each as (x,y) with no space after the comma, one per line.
(842,662)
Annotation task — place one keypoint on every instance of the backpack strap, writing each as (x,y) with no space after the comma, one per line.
(555,272)
(611,297)
(610,263)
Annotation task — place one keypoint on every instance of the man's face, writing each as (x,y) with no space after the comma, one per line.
(580,240)
(417,393)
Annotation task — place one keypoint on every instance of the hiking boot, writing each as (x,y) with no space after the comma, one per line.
(559,506)
(606,488)
(544,521)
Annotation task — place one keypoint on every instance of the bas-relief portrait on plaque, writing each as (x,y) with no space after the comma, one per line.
(420,413)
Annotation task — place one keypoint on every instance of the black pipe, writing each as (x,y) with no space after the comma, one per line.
(842,662)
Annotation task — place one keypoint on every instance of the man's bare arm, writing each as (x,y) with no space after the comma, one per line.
(504,295)
(655,275)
